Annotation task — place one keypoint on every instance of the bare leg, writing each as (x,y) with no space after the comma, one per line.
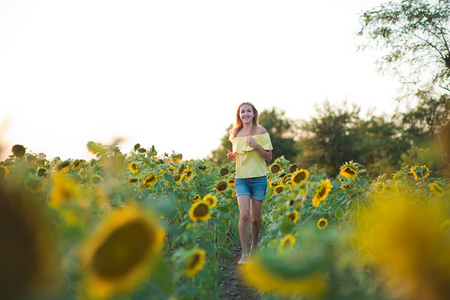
(244,221)
(255,215)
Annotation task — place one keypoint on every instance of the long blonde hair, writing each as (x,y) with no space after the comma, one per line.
(238,124)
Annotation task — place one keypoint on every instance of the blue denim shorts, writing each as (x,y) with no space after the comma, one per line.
(256,187)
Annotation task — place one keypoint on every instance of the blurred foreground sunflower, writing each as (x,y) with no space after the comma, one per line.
(28,257)
(3,172)
(287,242)
(436,189)
(402,237)
(119,255)
(284,275)
(293,216)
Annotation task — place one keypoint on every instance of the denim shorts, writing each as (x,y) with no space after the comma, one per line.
(256,187)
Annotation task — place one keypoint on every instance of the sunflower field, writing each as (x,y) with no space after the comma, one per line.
(148,226)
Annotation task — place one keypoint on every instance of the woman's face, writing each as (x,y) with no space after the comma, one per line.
(246,114)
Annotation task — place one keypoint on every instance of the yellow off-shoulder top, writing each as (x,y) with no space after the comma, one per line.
(248,161)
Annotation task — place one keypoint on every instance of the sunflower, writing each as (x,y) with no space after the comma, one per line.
(321,192)
(63,166)
(199,211)
(176,158)
(76,164)
(96,179)
(195,262)
(230,181)
(278,189)
(118,255)
(41,172)
(181,169)
(293,216)
(287,242)
(286,180)
(196,198)
(224,171)
(221,187)
(436,189)
(95,148)
(403,237)
(133,167)
(346,186)
(378,187)
(188,174)
(18,150)
(444,225)
(132,181)
(293,168)
(210,200)
(299,176)
(63,190)
(178,178)
(281,276)
(421,171)
(348,171)
(28,257)
(4,172)
(322,223)
(150,180)
(275,168)
(273,184)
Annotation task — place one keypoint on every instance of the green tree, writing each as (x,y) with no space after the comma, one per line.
(416,36)
(281,131)
(337,135)
(425,127)
(328,140)
(382,145)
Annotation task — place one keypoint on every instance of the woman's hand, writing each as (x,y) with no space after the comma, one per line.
(250,141)
(230,155)
(265,154)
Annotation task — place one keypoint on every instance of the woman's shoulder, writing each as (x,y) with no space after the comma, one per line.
(260,130)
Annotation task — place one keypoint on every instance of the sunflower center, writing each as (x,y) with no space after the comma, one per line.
(299,177)
(222,186)
(194,261)
(275,168)
(321,192)
(123,250)
(201,210)
(350,171)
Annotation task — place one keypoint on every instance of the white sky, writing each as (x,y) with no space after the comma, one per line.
(172,73)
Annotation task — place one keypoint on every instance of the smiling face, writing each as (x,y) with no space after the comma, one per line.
(246,114)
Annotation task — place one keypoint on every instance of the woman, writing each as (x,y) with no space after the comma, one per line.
(251,148)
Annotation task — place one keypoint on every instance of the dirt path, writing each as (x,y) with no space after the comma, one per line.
(232,285)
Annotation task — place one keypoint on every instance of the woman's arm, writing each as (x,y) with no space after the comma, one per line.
(265,154)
